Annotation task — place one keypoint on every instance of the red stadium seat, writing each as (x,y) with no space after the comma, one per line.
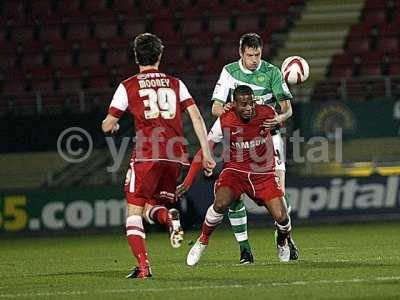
(358,46)
(247,23)
(370,70)
(134,27)
(202,54)
(190,26)
(105,30)
(342,59)
(360,31)
(78,31)
(277,23)
(389,30)
(374,17)
(218,25)
(61,60)
(375,5)
(388,44)
(117,57)
(354,90)
(394,69)
(341,71)
(89,58)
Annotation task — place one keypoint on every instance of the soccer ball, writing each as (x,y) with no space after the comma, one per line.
(295,69)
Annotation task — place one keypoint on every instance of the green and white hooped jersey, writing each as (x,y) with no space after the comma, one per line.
(266,81)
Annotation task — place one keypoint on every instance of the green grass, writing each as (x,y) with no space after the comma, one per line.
(337,262)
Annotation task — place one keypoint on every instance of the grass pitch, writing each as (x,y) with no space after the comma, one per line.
(337,262)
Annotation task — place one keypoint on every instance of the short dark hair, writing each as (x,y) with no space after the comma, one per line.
(147,48)
(242,90)
(250,40)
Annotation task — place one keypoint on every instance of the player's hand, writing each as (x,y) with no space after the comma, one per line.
(228,106)
(208,164)
(181,190)
(115,128)
(271,123)
(207,173)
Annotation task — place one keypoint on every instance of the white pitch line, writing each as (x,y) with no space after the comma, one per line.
(191,288)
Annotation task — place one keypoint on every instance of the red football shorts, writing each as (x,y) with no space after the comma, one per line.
(152,182)
(259,187)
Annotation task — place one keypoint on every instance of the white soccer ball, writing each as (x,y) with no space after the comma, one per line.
(295,69)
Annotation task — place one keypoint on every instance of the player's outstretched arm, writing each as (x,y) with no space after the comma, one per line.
(194,169)
(110,124)
(200,129)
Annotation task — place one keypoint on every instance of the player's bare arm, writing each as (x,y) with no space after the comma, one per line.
(110,124)
(286,113)
(201,132)
(219,108)
(195,167)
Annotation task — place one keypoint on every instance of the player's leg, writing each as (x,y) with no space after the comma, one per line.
(166,175)
(277,208)
(136,240)
(223,198)
(280,163)
(169,218)
(135,178)
(268,192)
(238,219)
(280,168)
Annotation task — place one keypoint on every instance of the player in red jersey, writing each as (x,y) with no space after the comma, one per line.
(156,101)
(249,168)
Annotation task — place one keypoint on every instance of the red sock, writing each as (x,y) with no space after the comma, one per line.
(138,247)
(160,215)
(206,231)
(136,239)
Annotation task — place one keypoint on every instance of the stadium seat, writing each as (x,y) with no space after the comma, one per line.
(219,25)
(247,23)
(106,30)
(389,30)
(359,31)
(370,70)
(374,17)
(389,44)
(341,71)
(358,46)
(65,25)
(394,70)
(342,59)
(374,5)
(202,54)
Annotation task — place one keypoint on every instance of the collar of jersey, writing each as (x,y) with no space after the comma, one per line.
(151,71)
(244,70)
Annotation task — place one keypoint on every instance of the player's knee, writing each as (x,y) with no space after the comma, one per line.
(220,207)
(281,217)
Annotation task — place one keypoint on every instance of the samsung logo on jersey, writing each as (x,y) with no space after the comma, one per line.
(249,144)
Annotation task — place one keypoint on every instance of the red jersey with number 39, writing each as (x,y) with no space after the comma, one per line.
(156,101)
